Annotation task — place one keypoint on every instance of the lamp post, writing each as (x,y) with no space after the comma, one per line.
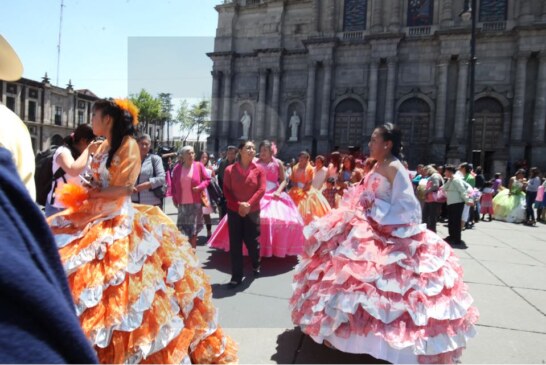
(469,13)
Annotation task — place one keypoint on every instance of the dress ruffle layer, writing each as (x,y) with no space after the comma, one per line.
(395,292)
(138,290)
(281,229)
(509,207)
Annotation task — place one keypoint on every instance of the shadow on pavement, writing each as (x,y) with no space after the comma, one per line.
(220,291)
(271,266)
(310,352)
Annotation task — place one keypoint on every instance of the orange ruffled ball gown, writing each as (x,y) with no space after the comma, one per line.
(311,203)
(137,286)
(373,280)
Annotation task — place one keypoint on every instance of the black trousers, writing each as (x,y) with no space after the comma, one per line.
(454,215)
(430,215)
(530,198)
(245,229)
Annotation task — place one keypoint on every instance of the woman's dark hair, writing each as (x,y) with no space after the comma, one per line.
(520,172)
(488,184)
(304,153)
(450,168)
(267,144)
(243,144)
(122,125)
(497,175)
(85,132)
(466,167)
(534,171)
(351,162)
(392,133)
(335,159)
(201,156)
(321,158)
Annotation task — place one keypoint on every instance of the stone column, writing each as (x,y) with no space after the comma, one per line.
(215,100)
(460,104)
(441,98)
(274,121)
(377,15)
(394,25)
(544,11)
(525,14)
(18,91)
(372,98)
(226,115)
(540,101)
(447,13)
(316,12)
(391,84)
(519,97)
(262,100)
(310,107)
(326,92)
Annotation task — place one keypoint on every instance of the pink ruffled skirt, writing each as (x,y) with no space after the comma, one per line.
(365,290)
(281,229)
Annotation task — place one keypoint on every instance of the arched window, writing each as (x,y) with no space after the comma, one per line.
(355,14)
(420,12)
(493,10)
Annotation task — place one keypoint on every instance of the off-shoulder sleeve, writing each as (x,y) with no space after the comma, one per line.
(402,209)
(125,164)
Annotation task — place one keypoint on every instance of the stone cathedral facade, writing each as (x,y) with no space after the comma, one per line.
(344,66)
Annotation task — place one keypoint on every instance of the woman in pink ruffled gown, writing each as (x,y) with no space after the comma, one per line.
(281,226)
(373,280)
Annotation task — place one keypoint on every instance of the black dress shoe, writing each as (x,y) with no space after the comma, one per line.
(257,271)
(234,283)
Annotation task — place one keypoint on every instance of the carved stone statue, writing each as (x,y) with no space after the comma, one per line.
(293,125)
(245,121)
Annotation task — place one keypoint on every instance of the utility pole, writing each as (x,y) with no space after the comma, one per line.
(59,43)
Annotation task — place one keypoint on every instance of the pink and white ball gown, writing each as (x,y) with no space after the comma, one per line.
(281,226)
(373,280)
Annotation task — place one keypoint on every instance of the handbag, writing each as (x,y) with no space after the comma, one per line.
(438,196)
(204,199)
(161,190)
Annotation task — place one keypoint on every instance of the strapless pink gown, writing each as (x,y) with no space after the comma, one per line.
(281,225)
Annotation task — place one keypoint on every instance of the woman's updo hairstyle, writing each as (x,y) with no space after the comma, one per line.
(392,133)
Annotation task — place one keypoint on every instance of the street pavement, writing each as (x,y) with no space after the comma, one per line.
(504,265)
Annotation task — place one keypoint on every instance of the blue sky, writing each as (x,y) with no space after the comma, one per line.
(116,47)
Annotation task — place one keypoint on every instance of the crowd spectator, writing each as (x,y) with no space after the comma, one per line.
(150,187)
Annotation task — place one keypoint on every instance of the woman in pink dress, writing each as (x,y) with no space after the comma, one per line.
(281,226)
(373,280)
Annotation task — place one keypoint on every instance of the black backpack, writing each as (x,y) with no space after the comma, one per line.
(43,175)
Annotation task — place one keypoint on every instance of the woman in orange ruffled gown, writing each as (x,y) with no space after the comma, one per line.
(137,286)
(310,202)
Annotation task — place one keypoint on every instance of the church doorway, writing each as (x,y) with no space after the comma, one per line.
(486,132)
(414,122)
(348,119)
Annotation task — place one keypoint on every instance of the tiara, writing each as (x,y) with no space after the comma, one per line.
(128,106)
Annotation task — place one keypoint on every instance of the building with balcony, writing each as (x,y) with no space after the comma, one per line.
(50,112)
(345,66)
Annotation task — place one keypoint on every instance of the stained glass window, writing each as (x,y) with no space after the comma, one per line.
(493,10)
(354,17)
(420,12)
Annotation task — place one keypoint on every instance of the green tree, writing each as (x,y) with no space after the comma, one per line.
(185,124)
(193,119)
(200,113)
(166,112)
(150,109)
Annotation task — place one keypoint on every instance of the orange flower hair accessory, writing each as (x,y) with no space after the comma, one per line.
(129,107)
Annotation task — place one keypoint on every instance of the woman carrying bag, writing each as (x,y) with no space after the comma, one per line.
(190,179)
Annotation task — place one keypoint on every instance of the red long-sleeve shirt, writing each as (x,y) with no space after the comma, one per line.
(244,186)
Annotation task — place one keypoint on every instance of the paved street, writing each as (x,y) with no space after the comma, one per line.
(505,267)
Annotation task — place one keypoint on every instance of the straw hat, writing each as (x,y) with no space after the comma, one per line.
(11,68)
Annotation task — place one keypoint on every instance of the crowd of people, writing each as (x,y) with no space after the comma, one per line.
(109,278)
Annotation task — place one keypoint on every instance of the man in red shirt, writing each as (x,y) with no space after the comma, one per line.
(244,186)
